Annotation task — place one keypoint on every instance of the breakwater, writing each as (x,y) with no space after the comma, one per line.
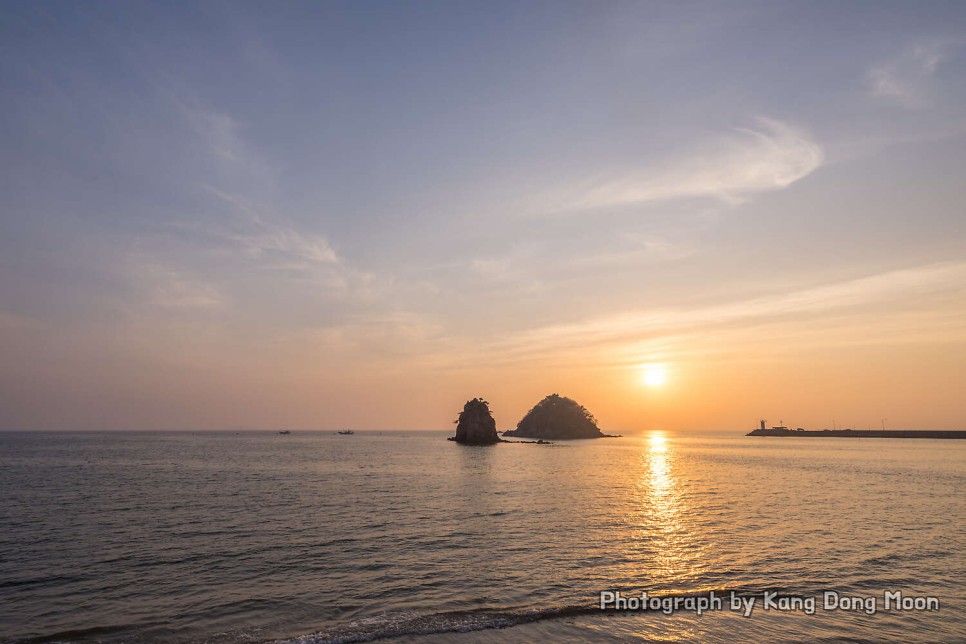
(858,433)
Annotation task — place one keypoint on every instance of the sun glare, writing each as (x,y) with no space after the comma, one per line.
(653,375)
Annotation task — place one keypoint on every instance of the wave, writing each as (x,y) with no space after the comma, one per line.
(391,625)
(402,624)
(93,633)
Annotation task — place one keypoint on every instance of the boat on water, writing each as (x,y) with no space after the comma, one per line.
(346,432)
(285,431)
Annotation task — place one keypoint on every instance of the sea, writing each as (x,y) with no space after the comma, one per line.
(316,537)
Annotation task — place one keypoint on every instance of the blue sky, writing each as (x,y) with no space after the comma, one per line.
(361,214)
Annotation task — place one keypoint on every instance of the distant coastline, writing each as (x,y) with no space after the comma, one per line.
(857,433)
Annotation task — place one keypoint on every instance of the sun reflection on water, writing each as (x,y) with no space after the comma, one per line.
(659,472)
(673,550)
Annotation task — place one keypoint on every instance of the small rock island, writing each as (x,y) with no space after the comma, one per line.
(557,417)
(475,425)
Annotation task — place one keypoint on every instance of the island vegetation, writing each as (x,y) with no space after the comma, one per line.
(475,425)
(557,417)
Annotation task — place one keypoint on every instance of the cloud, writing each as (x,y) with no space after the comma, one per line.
(274,245)
(285,248)
(638,249)
(238,174)
(173,290)
(217,150)
(182,294)
(528,268)
(255,234)
(670,325)
(904,79)
(498,268)
(384,336)
(733,169)
(218,130)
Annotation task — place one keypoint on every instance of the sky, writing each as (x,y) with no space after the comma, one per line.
(685,215)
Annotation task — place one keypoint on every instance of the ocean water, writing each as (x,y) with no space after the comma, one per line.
(316,537)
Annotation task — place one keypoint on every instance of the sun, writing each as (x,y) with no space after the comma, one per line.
(653,375)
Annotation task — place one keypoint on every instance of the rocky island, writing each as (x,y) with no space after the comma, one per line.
(475,425)
(557,417)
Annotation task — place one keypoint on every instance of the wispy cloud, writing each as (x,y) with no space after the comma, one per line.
(385,334)
(670,325)
(637,249)
(243,181)
(904,79)
(493,268)
(169,289)
(218,130)
(179,293)
(273,245)
(732,169)
(287,248)
(527,268)
(216,148)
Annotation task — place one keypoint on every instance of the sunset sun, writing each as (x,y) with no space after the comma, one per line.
(653,375)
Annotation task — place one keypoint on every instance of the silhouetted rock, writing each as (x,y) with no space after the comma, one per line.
(476,426)
(557,417)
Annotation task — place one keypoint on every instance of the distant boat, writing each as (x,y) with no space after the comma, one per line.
(285,431)
(346,432)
